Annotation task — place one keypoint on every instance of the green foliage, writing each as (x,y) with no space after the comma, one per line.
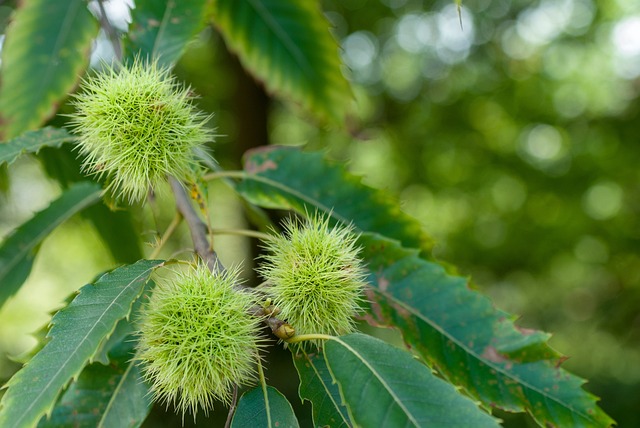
(467,339)
(121,341)
(161,30)
(404,393)
(76,333)
(113,395)
(264,407)
(19,249)
(287,178)
(32,142)
(40,60)
(318,387)
(288,46)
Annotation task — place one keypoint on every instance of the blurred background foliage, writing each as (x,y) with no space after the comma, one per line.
(513,139)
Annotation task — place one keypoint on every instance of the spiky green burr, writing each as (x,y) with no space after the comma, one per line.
(314,276)
(197,339)
(136,125)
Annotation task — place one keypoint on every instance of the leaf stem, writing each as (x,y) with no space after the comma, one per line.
(224,174)
(263,384)
(167,234)
(199,230)
(110,31)
(242,232)
(312,336)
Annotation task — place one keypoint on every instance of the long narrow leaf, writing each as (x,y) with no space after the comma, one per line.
(383,386)
(47,45)
(162,29)
(19,248)
(281,177)
(270,410)
(470,342)
(76,333)
(287,44)
(317,386)
(113,395)
(32,142)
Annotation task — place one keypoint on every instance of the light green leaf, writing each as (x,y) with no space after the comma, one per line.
(287,45)
(76,333)
(162,29)
(267,408)
(287,178)
(383,386)
(317,386)
(471,343)
(47,46)
(32,142)
(19,248)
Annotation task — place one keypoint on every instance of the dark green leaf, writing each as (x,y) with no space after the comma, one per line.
(19,248)
(76,334)
(113,395)
(383,386)
(470,342)
(162,29)
(259,410)
(317,386)
(32,142)
(287,45)
(47,45)
(289,178)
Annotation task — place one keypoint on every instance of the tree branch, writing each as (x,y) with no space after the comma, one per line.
(199,230)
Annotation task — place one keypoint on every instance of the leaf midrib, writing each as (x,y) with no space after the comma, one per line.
(474,354)
(82,341)
(396,399)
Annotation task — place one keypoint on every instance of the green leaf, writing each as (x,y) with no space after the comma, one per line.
(113,395)
(471,343)
(162,29)
(384,386)
(287,45)
(32,142)
(287,178)
(317,386)
(260,408)
(47,46)
(76,334)
(19,248)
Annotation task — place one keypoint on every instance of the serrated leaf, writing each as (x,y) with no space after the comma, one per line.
(288,178)
(76,333)
(260,408)
(113,395)
(32,142)
(19,248)
(287,45)
(382,386)
(318,387)
(162,29)
(471,343)
(47,45)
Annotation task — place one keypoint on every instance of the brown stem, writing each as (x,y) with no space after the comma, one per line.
(198,229)
(110,31)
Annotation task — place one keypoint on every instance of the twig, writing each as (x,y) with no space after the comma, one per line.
(199,235)
(232,408)
(110,31)
(197,227)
